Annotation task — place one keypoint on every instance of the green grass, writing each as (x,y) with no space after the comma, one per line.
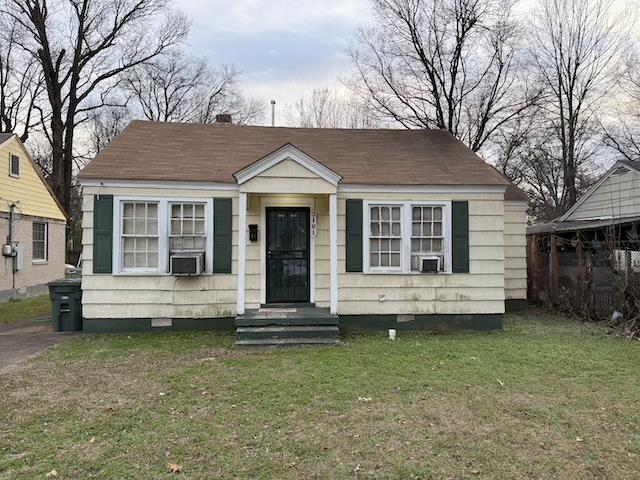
(546,398)
(16,310)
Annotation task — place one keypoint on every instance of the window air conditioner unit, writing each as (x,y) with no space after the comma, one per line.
(430,264)
(187,263)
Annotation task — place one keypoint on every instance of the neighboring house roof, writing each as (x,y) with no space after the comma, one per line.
(572,226)
(4,137)
(610,202)
(214,152)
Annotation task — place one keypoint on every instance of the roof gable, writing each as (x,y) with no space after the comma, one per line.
(29,191)
(287,152)
(615,195)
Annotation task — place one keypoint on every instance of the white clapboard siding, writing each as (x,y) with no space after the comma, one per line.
(149,296)
(515,250)
(482,290)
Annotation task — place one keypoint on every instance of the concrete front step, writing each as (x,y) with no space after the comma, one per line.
(287,342)
(281,332)
(264,317)
(287,326)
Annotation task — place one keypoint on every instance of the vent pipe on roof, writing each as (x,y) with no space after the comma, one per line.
(273,113)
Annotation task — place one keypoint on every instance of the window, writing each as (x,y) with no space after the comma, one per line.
(153,229)
(427,234)
(140,240)
(400,232)
(39,241)
(14,165)
(385,236)
(187,227)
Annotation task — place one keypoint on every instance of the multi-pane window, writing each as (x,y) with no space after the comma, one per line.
(140,235)
(400,232)
(427,233)
(187,227)
(14,165)
(39,241)
(385,236)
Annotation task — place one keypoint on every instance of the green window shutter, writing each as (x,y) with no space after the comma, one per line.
(222,226)
(460,216)
(353,240)
(102,233)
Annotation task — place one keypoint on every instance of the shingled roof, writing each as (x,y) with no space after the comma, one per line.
(214,152)
(5,136)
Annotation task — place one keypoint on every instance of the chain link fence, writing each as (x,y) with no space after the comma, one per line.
(589,279)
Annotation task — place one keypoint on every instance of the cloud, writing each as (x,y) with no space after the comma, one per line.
(253,18)
(284,48)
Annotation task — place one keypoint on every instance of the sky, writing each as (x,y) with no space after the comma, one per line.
(284,48)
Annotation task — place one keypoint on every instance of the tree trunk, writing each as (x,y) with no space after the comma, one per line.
(57,156)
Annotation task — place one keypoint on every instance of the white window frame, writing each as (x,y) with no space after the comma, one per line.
(164,214)
(206,238)
(46,243)
(405,216)
(390,268)
(121,236)
(443,235)
(11,157)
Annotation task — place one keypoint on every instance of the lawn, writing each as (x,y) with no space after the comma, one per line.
(16,310)
(546,398)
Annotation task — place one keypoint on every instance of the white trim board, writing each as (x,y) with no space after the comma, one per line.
(287,152)
(162,185)
(352,188)
(342,188)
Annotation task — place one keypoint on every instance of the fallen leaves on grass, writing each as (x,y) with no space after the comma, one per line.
(52,473)
(174,468)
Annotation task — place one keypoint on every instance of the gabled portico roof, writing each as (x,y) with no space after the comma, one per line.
(287,152)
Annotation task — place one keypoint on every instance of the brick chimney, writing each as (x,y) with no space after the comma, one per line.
(223,118)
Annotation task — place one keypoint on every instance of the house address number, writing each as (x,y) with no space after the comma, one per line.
(314,223)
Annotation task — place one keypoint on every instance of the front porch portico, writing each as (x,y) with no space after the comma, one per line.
(291,199)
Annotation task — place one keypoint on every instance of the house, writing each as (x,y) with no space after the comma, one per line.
(383,228)
(32,225)
(589,258)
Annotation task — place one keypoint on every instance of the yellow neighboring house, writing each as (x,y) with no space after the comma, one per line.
(32,225)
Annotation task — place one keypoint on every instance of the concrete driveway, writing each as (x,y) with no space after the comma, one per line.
(22,340)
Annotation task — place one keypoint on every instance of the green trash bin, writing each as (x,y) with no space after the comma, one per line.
(66,305)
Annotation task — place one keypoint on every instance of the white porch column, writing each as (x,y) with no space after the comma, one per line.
(333,250)
(242,249)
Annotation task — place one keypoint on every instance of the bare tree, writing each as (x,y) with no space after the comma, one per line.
(326,108)
(103,126)
(83,48)
(449,64)
(577,46)
(178,88)
(622,130)
(21,83)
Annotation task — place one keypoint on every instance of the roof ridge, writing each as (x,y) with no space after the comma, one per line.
(286,127)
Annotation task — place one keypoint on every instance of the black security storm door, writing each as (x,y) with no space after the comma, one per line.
(287,255)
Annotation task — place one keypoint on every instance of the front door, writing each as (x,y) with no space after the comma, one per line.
(287,255)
